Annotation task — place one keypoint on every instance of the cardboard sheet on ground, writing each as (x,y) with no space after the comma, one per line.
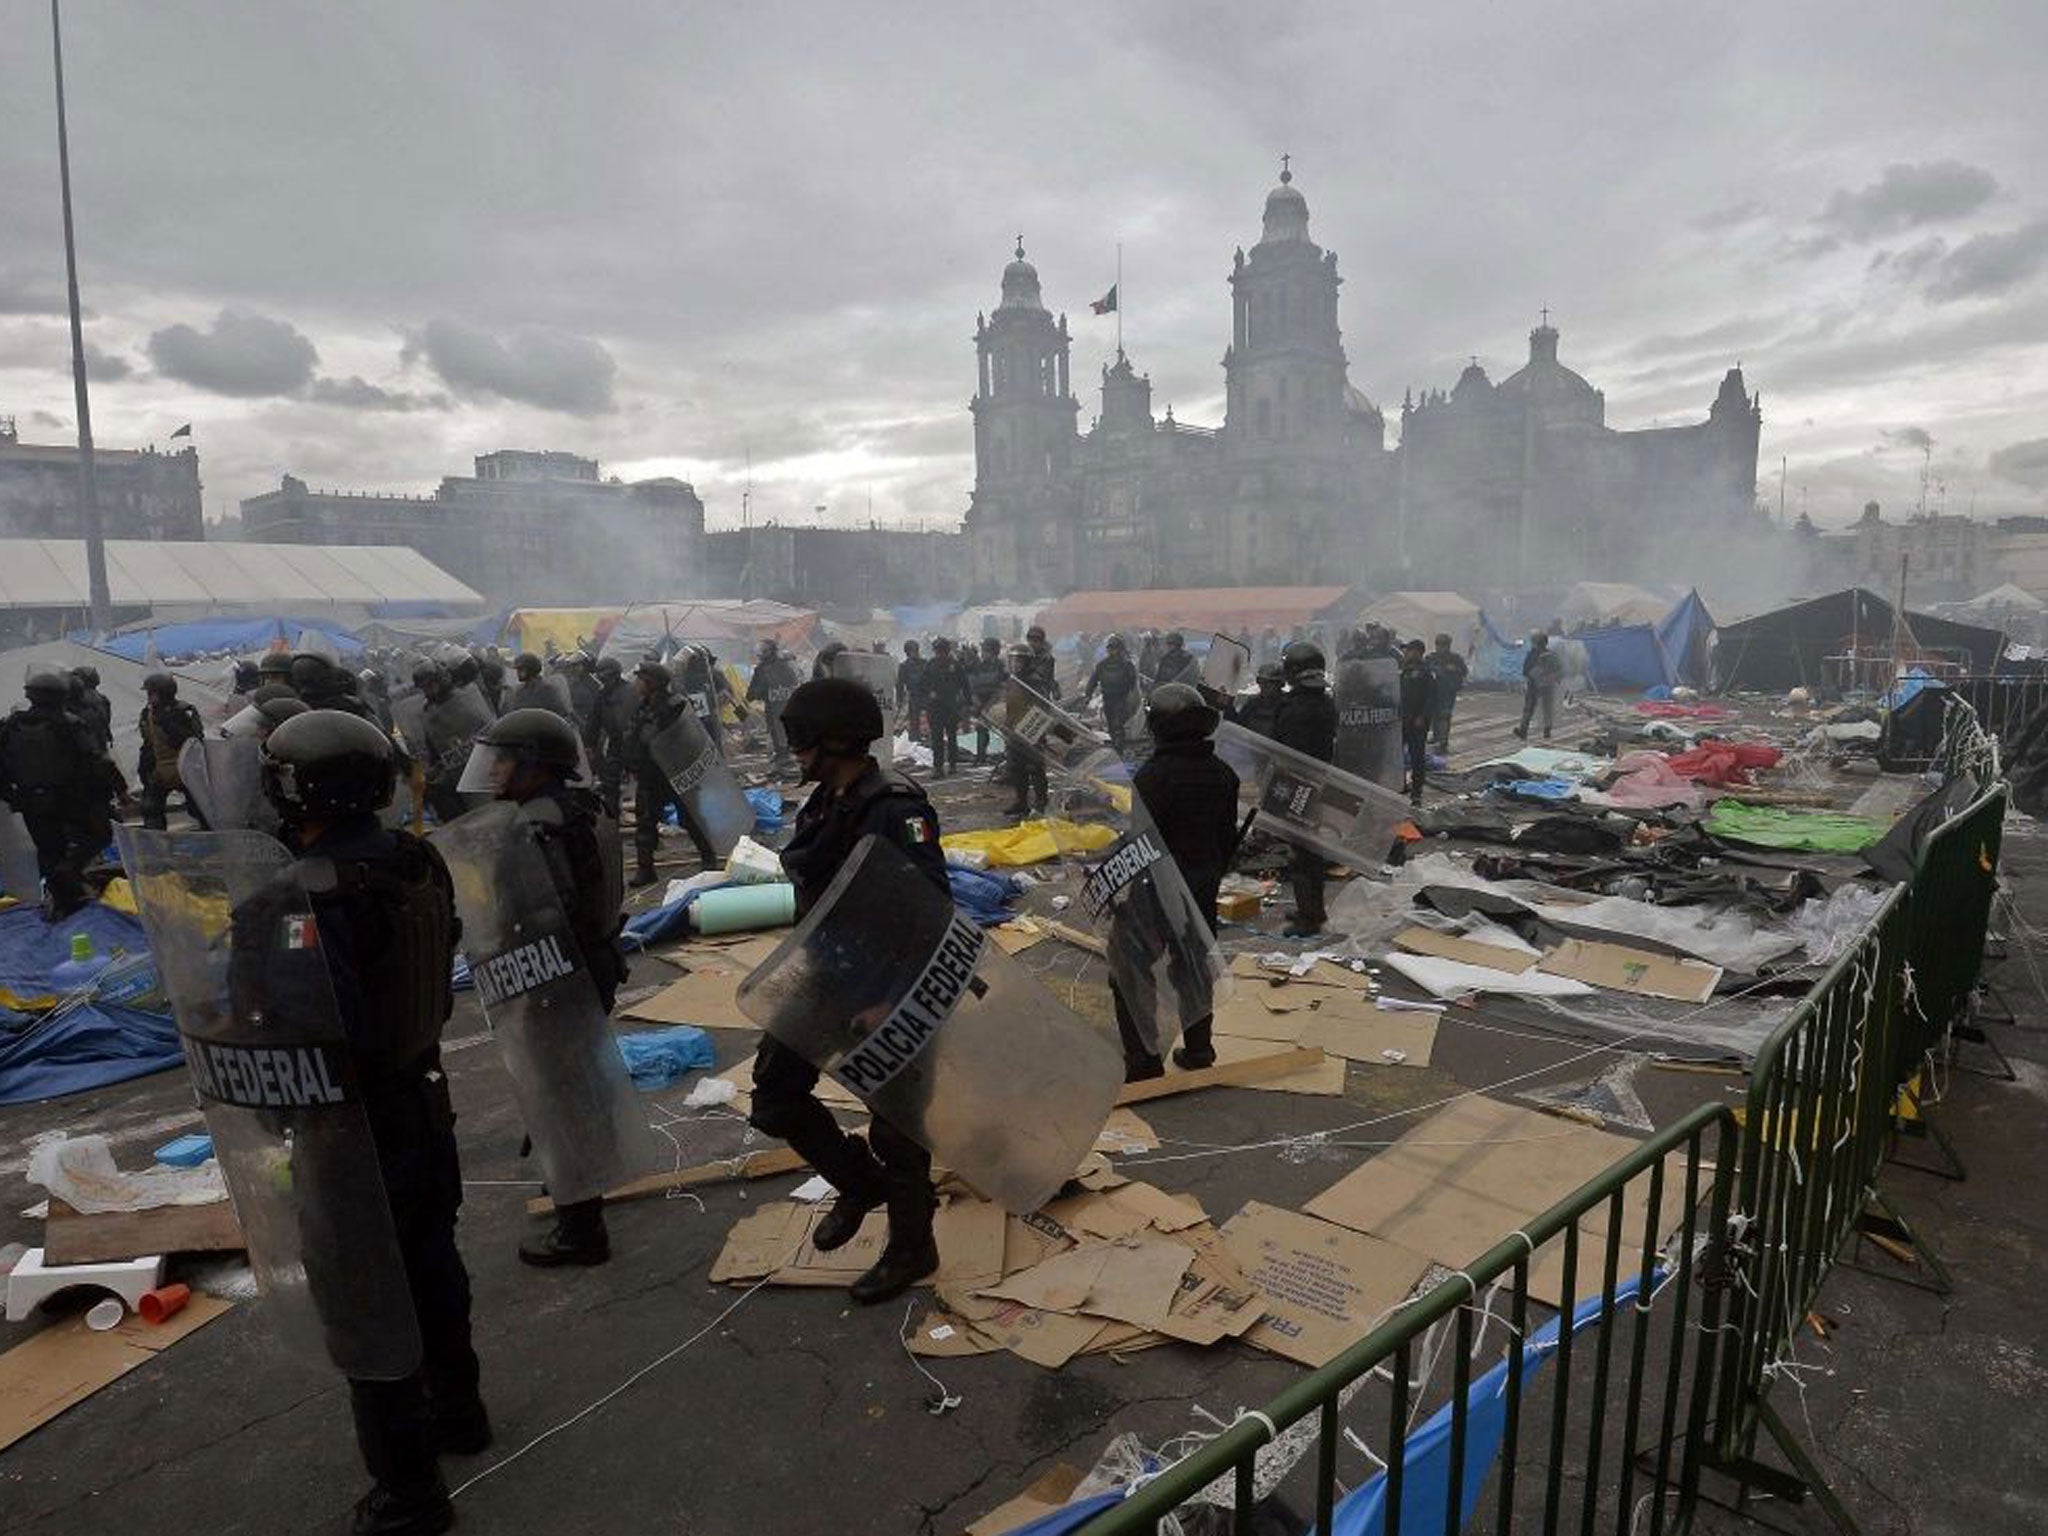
(1124,1212)
(1124,1132)
(1478,1169)
(1340,1024)
(67,1362)
(1049,1494)
(1325,1079)
(1018,935)
(775,1241)
(1319,973)
(707,998)
(1324,1285)
(1451,946)
(1453,978)
(1133,1280)
(1048,1339)
(1622,969)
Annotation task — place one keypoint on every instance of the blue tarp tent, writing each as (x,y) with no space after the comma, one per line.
(126,1032)
(1495,658)
(1687,634)
(241,636)
(1625,659)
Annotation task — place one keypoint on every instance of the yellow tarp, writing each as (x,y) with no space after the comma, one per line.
(1030,842)
(567,627)
(118,896)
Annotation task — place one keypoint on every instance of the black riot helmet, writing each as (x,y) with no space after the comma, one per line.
(276,666)
(247,678)
(942,646)
(1174,640)
(325,764)
(768,650)
(656,676)
(1035,634)
(431,678)
(160,685)
(462,671)
(1116,644)
(1274,674)
(527,665)
(609,669)
(833,713)
(1178,712)
(1302,656)
(87,674)
(991,647)
(46,685)
(312,674)
(535,740)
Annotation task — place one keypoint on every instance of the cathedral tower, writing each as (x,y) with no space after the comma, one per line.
(1284,372)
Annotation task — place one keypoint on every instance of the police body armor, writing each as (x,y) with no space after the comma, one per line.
(533,978)
(239,952)
(1163,959)
(1313,804)
(910,1007)
(699,774)
(43,756)
(1368,700)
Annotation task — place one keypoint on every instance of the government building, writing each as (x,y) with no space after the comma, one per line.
(1518,486)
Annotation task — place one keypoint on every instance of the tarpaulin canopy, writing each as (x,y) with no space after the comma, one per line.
(1687,635)
(120,680)
(1495,658)
(530,629)
(84,1044)
(1195,608)
(206,577)
(712,622)
(1425,615)
(1611,602)
(1625,659)
(239,636)
(1788,648)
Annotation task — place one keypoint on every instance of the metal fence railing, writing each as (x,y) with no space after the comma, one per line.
(1593,1420)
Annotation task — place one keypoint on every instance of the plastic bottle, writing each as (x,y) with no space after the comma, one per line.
(79,972)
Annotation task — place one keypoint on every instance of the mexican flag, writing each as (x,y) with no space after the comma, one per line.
(1106,305)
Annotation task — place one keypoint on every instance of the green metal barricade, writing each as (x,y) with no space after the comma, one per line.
(1953,886)
(1624,1405)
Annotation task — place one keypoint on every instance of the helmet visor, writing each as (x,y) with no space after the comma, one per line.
(490,768)
(246,722)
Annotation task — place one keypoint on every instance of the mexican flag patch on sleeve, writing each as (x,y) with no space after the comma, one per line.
(915,830)
(301,932)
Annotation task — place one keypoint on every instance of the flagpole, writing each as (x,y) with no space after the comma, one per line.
(98,599)
(1119,300)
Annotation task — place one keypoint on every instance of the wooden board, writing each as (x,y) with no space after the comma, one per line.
(1235,1074)
(70,1237)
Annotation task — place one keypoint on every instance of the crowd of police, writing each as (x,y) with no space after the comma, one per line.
(335,748)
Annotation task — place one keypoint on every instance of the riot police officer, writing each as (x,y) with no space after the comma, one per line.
(656,710)
(1043,672)
(385,912)
(1307,722)
(831,724)
(97,708)
(1261,712)
(55,773)
(774,680)
(606,729)
(985,674)
(528,756)
(1191,795)
(707,690)
(1176,662)
(947,698)
(1118,679)
(582,687)
(531,692)
(165,724)
(1027,773)
(912,695)
(453,717)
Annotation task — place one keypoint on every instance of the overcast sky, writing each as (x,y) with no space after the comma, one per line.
(362,243)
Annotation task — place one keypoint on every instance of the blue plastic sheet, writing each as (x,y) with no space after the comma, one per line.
(1426,1459)
(982,896)
(124,1032)
(767,804)
(1687,633)
(1537,789)
(238,635)
(657,1057)
(1625,659)
(664,922)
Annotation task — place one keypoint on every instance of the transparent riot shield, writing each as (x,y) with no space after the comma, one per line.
(697,771)
(910,1007)
(449,726)
(239,954)
(20,875)
(223,776)
(1313,804)
(1163,958)
(878,675)
(1227,667)
(550,693)
(1368,700)
(578,1102)
(1034,725)
(409,723)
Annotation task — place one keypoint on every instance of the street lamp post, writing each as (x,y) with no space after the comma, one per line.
(88,497)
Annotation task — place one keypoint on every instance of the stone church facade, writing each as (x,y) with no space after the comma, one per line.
(1507,487)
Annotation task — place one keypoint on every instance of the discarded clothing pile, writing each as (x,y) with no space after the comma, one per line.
(1724,763)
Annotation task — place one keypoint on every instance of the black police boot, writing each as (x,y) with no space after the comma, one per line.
(912,1253)
(1190,1060)
(1142,1069)
(577,1237)
(1018,809)
(386,1511)
(643,874)
(842,1223)
(462,1429)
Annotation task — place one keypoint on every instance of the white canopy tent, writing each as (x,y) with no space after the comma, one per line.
(187,580)
(1425,615)
(121,681)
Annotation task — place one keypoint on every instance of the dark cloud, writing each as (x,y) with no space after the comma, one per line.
(1906,197)
(1990,264)
(356,393)
(550,369)
(2023,463)
(23,293)
(105,367)
(241,354)
(1919,439)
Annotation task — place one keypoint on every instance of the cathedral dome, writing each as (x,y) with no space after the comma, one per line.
(1020,283)
(1286,209)
(1472,382)
(1547,380)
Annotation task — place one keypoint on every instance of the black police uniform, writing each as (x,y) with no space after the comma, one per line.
(1418,708)
(948,697)
(165,728)
(912,694)
(1191,794)
(98,711)
(1026,770)
(703,685)
(985,676)
(1308,723)
(55,773)
(652,792)
(891,1167)
(1261,712)
(774,680)
(607,729)
(385,911)
(1177,664)
(1117,677)
(451,727)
